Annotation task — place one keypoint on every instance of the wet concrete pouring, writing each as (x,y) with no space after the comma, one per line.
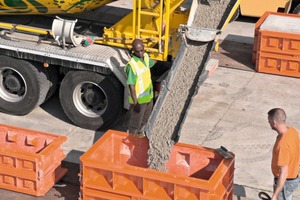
(165,127)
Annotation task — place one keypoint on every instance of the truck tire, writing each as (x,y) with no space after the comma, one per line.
(43,82)
(53,77)
(297,9)
(90,100)
(22,86)
(48,79)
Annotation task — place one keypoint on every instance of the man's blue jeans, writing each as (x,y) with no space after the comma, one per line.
(289,187)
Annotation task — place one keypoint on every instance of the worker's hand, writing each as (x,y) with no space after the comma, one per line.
(274,197)
(137,107)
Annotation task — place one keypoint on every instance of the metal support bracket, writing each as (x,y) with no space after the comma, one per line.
(63,32)
(4,34)
(224,152)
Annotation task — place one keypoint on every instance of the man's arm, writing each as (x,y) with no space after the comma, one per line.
(131,80)
(280,182)
(133,94)
(299,156)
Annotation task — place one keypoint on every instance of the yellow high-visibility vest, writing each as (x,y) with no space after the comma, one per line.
(143,86)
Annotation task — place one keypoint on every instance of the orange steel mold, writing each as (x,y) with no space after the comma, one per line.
(276,52)
(115,167)
(30,161)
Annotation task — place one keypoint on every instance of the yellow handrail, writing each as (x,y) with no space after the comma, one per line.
(26,29)
(232,12)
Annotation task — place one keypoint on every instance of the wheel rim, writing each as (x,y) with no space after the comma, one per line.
(13,86)
(90,99)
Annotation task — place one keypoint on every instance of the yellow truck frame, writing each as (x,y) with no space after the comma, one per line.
(256,8)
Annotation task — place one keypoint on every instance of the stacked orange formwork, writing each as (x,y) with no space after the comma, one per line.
(115,168)
(30,161)
(276,47)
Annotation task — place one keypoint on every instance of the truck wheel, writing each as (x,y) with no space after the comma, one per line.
(22,86)
(297,9)
(90,100)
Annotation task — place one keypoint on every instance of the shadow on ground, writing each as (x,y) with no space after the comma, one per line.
(235,54)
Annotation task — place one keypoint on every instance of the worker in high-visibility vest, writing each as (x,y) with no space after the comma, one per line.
(140,87)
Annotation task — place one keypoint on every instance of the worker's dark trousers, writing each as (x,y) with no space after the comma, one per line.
(289,187)
(137,121)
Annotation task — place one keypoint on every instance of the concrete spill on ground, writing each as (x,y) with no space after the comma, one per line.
(210,14)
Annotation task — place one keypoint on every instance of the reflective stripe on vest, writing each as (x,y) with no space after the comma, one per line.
(143,88)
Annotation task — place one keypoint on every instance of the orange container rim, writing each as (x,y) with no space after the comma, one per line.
(86,161)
